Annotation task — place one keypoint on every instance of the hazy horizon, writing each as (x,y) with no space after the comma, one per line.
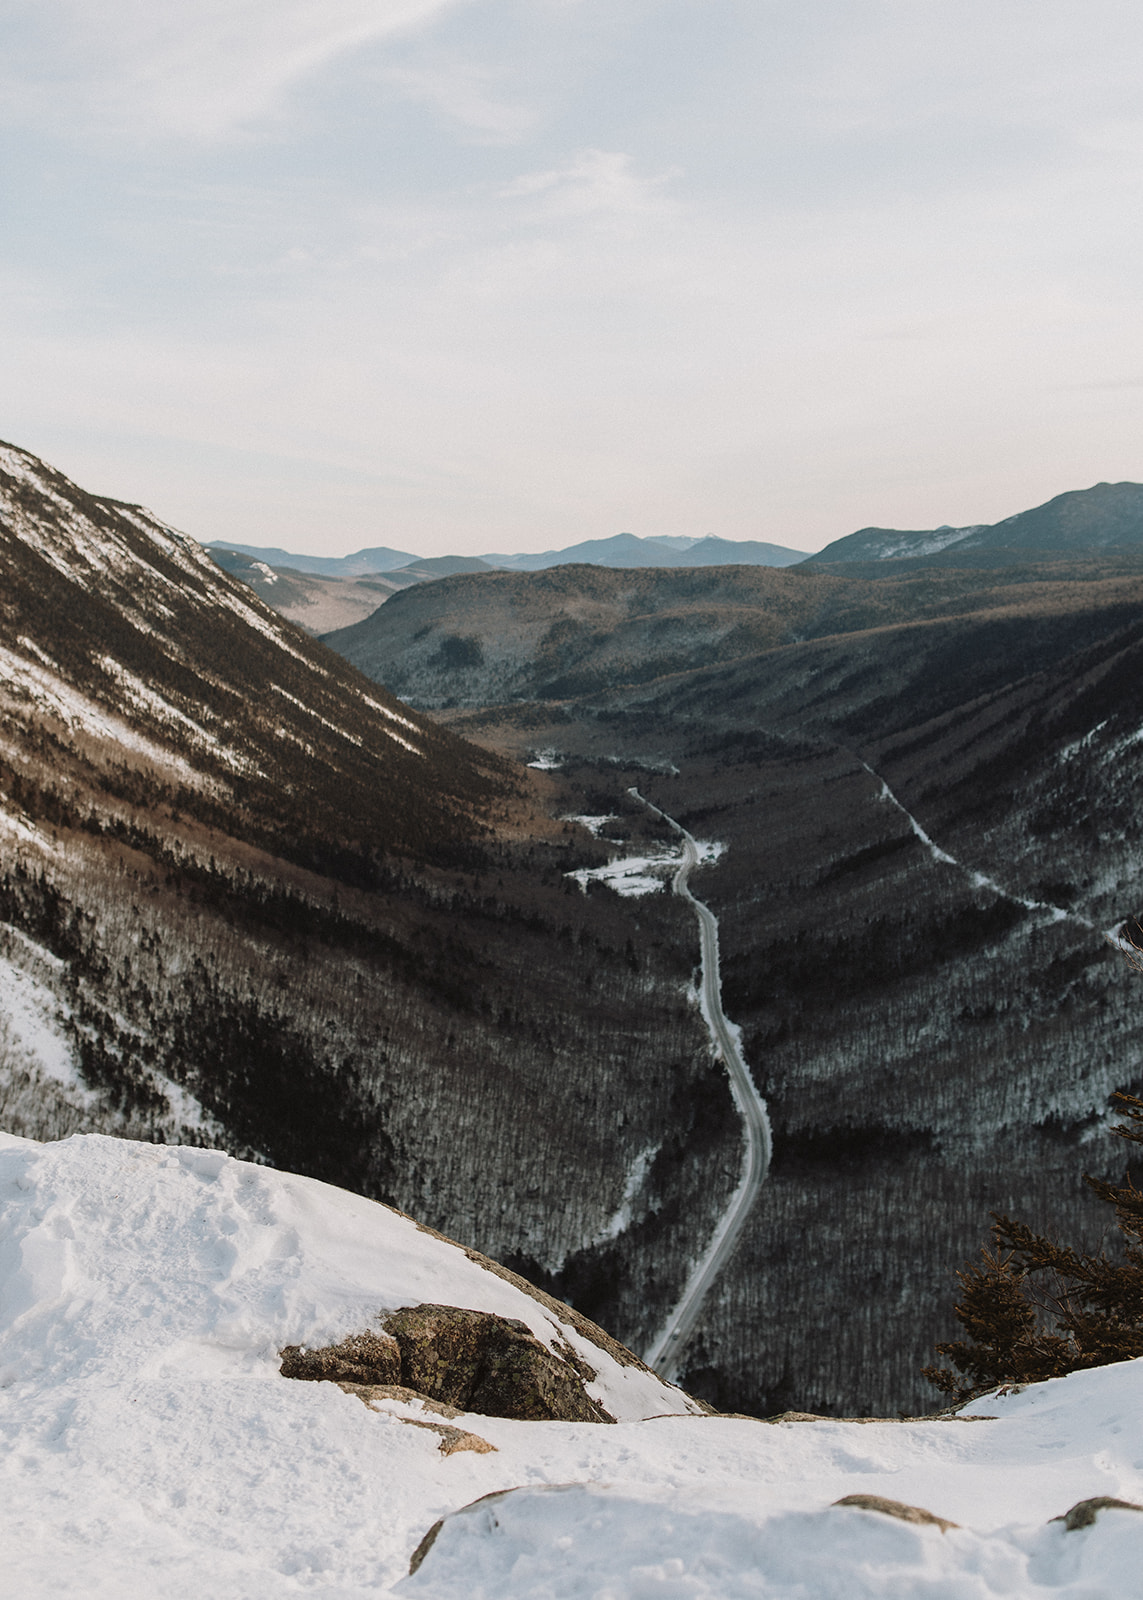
(460,276)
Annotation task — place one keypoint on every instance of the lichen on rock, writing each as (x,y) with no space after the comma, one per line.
(471,1360)
(363,1358)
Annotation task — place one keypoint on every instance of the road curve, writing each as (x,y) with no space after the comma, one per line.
(667,1350)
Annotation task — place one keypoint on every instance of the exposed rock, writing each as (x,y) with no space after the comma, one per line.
(576,1320)
(425,1546)
(452,1439)
(430,1537)
(896,1508)
(820,1416)
(462,1360)
(363,1358)
(371,1393)
(493,1365)
(1084,1513)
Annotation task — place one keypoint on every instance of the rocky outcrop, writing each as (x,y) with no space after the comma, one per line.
(385,1397)
(363,1359)
(471,1360)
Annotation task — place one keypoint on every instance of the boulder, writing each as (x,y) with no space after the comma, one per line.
(464,1360)
(492,1365)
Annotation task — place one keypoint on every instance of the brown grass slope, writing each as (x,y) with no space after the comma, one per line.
(574,631)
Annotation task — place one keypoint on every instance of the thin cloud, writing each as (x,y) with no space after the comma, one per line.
(594,181)
(197,69)
(465,93)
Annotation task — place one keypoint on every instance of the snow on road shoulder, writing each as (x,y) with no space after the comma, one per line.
(631,875)
(153,1448)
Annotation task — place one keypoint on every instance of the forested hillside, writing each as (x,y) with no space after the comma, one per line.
(937,1022)
(249,899)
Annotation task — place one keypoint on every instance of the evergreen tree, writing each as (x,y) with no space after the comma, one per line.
(1036,1309)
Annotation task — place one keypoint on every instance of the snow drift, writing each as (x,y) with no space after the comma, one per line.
(152,1445)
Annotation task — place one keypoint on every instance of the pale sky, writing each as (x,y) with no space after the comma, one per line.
(494,275)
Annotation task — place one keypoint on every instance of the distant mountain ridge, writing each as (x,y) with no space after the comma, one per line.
(627,550)
(621,550)
(361,564)
(497,637)
(1106,516)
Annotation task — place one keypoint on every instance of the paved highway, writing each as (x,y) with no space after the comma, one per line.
(665,1355)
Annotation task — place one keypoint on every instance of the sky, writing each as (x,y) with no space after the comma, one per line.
(469,276)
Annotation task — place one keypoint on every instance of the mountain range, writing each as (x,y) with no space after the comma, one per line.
(252,899)
(621,550)
(323,594)
(1104,517)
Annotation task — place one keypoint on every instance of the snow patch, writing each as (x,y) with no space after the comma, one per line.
(393,716)
(632,876)
(939,539)
(33,1019)
(51,695)
(351,738)
(623,1217)
(979,880)
(153,1448)
(594,825)
(142,698)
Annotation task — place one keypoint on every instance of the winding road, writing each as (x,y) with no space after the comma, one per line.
(667,1350)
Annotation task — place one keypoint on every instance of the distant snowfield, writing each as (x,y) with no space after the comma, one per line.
(152,1448)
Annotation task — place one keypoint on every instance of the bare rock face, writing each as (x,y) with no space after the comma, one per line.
(489,1364)
(467,1360)
(363,1358)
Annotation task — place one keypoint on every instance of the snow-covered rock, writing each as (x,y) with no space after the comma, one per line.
(151,1445)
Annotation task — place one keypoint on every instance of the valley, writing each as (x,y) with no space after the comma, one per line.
(257,903)
(250,898)
(929,1005)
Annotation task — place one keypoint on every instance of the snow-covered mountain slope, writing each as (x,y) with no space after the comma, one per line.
(890,544)
(248,899)
(152,1446)
(314,602)
(125,644)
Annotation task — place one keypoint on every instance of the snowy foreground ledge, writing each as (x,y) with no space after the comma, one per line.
(151,1446)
